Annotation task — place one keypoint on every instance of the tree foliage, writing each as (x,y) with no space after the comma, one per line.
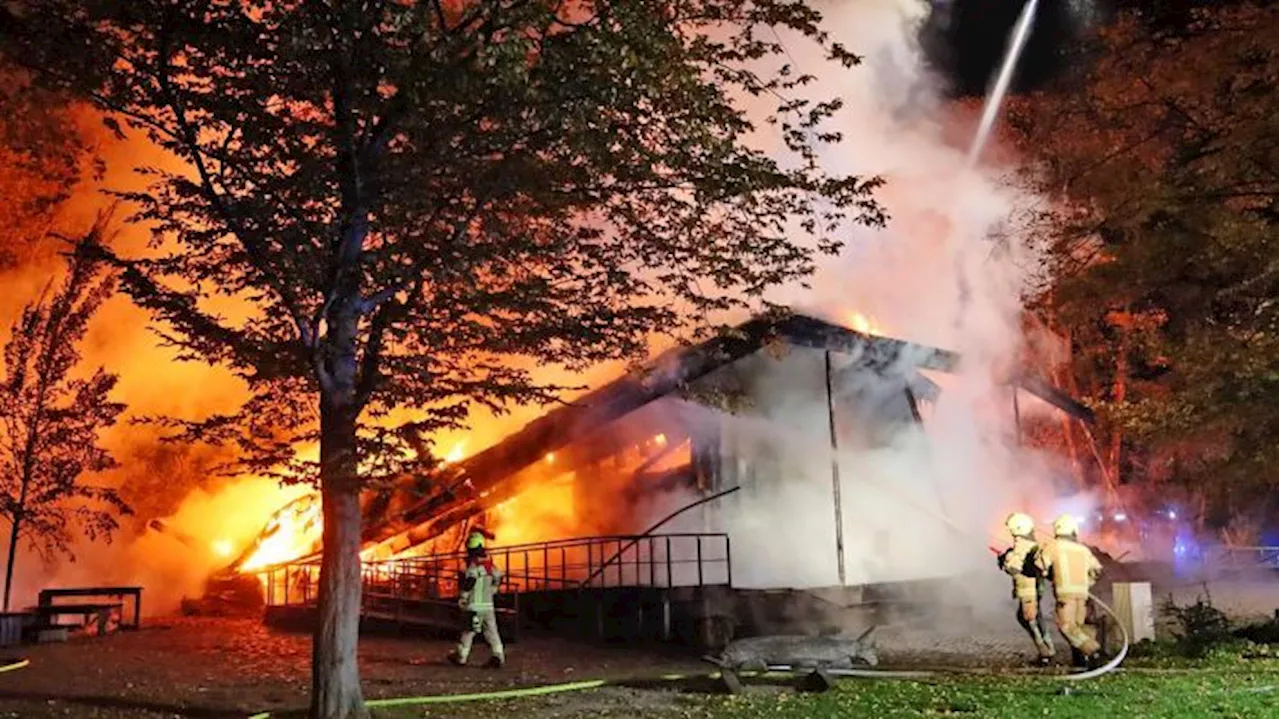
(399,197)
(483,179)
(51,414)
(44,153)
(1163,158)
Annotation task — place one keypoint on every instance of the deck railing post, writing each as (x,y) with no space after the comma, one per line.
(667,558)
(699,557)
(728,562)
(653,566)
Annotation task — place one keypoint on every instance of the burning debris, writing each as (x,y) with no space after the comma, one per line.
(294,531)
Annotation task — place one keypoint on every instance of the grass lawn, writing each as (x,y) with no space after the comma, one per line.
(1223,687)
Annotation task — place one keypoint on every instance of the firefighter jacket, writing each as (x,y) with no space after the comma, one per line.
(1071,566)
(479,584)
(1021,562)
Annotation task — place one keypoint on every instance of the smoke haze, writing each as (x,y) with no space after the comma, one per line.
(950,271)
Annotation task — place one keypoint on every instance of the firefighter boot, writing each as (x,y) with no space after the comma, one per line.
(495,662)
(456,659)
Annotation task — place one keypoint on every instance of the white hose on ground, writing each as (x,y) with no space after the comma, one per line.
(1099,671)
(1107,668)
(1115,661)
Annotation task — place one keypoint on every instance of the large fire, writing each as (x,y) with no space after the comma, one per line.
(537,514)
(544,510)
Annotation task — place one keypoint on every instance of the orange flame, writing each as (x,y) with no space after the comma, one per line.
(865,324)
(222,548)
(539,513)
(457,453)
(292,533)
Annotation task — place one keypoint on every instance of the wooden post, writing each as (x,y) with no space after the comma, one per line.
(835,469)
(666,616)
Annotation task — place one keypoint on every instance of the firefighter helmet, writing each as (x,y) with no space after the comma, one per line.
(1019,524)
(475,539)
(1065,526)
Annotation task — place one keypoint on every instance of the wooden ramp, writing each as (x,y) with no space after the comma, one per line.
(656,587)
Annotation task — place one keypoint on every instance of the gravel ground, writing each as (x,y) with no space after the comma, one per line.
(205,667)
(208,667)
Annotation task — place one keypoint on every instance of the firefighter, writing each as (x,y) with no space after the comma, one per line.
(1021,562)
(478,585)
(476,539)
(1073,570)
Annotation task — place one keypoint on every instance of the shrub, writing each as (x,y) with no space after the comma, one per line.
(1200,627)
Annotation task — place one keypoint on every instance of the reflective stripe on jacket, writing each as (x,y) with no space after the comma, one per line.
(480,596)
(1016,562)
(1074,568)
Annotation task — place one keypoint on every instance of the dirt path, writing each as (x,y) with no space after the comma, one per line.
(201,667)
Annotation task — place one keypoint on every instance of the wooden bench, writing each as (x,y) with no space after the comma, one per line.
(49,607)
(99,612)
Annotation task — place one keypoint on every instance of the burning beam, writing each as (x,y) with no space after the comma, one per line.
(161,527)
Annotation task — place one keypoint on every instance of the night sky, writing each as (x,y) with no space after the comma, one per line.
(965,40)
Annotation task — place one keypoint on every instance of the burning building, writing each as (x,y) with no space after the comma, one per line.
(780,407)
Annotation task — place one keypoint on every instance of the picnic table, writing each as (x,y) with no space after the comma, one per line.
(49,607)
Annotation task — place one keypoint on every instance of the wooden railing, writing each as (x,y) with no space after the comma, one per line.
(1249,557)
(659,560)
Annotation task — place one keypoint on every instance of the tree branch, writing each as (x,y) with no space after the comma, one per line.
(256,251)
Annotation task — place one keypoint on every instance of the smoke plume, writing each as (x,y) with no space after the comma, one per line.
(950,270)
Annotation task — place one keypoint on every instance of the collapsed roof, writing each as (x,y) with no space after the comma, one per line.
(426,509)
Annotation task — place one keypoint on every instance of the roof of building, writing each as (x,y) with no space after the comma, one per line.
(669,372)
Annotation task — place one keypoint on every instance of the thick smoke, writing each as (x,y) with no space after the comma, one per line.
(950,270)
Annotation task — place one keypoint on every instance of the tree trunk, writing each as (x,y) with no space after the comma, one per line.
(1119,392)
(13,552)
(17,521)
(335,675)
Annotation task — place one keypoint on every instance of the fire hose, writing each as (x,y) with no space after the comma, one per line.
(11,666)
(773,670)
(779,669)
